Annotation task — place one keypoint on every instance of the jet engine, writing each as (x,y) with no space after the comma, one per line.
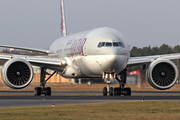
(162,74)
(17,73)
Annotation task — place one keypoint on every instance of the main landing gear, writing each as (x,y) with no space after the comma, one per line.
(121,78)
(42,89)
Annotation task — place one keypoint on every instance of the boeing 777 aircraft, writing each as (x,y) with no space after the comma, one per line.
(99,53)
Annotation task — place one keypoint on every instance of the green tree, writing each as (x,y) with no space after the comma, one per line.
(146,51)
(176,49)
(165,49)
(155,51)
(134,51)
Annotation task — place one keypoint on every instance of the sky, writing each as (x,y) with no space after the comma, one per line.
(36,23)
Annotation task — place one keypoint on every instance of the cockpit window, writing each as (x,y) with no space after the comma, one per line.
(108,44)
(121,44)
(101,44)
(116,44)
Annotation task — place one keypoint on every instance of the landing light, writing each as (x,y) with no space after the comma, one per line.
(63,63)
(109,76)
(106,76)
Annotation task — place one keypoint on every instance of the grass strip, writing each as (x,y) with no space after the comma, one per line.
(148,110)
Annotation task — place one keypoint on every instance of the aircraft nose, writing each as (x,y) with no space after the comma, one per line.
(116,62)
(115,51)
(112,59)
(110,51)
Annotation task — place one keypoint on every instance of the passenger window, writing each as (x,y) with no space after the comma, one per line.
(108,44)
(115,44)
(121,44)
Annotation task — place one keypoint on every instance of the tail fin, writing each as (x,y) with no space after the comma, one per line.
(63,22)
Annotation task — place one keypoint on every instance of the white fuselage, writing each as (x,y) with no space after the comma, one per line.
(91,53)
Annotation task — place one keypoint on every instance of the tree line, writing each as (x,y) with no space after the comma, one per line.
(147,51)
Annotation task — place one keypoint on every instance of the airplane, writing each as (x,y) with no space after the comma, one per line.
(98,53)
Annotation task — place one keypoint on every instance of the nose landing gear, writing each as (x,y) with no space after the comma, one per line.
(108,89)
(121,78)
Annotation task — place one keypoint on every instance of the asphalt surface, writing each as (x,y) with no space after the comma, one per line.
(24,101)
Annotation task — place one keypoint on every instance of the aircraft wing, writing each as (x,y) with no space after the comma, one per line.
(134,61)
(41,61)
(24,48)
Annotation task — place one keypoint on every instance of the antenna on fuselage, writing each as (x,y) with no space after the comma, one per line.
(63,22)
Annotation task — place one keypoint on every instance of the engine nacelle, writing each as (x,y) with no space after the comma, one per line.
(17,73)
(162,74)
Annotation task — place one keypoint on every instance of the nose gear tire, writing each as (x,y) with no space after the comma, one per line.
(105,91)
(111,91)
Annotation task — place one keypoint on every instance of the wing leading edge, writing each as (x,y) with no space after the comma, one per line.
(24,48)
(134,61)
(46,62)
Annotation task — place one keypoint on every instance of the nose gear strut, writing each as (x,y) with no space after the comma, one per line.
(121,78)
